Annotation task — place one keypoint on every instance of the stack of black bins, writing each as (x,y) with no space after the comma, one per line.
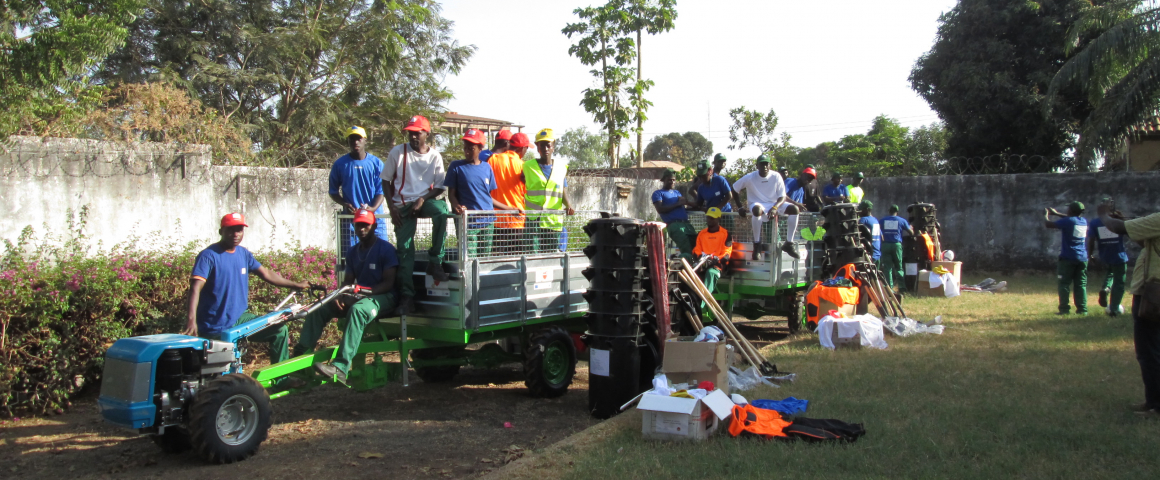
(616,276)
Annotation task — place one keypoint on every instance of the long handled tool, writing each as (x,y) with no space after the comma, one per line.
(746,353)
(755,357)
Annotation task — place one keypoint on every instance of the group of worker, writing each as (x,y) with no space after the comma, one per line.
(495,179)
(1082,239)
(768,196)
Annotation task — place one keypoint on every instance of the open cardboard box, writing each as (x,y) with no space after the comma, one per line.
(692,362)
(676,418)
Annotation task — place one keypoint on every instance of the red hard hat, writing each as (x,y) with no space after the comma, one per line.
(811,172)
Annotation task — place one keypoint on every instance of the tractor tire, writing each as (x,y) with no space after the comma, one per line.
(174,440)
(549,362)
(230,419)
(797,312)
(437,374)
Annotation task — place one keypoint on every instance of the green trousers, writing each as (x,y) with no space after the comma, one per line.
(684,236)
(891,263)
(709,278)
(480,239)
(358,316)
(1072,273)
(1114,280)
(277,338)
(437,211)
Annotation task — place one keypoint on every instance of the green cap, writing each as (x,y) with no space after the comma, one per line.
(1077,205)
(762,159)
(894,209)
(703,167)
(859,175)
(835,175)
(668,173)
(719,156)
(865,205)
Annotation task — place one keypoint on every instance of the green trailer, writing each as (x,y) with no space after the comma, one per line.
(517,291)
(774,283)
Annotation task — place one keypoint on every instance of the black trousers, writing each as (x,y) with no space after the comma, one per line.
(1147,336)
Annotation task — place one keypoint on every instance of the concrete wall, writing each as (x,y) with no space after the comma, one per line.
(604,193)
(995,222)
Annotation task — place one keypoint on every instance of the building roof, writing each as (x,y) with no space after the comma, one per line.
(662,164)
(456,120)
(1147,127)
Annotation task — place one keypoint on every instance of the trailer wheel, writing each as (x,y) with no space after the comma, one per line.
(174,440)
(549,362)
(438,374)
(231,418)
(797,312)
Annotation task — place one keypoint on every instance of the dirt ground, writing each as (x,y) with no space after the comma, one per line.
(444,430)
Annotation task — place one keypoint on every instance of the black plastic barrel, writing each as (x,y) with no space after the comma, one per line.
(923,219)
(614,383)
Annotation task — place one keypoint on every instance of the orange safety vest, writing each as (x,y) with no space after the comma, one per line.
(509,189)
(929,246)
(716,243)
(757,421)
(836,295)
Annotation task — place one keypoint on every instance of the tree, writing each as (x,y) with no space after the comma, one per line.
(887,149)
(686,149)
(49,49)
(1118,69)
(653,16)
(988,73)
(582,148)
(299,73)
(753,128)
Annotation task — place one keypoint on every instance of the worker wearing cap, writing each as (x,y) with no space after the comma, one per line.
(372,265)
(854,190)
(835,192)
(546,186)
(716,242)
(354,181)
(1071,269)
(219,289)
(508,168)
(766,194)
(470,185)
(784,172)
(712,190)
(670,205)
(1112,249)
(719,161)
(413,174)
(893,228)
(866,218)
(812,195)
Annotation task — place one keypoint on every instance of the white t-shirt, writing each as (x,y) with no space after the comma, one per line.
(765,190)
(422,173)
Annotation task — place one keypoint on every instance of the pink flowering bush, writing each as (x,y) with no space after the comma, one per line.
(62,304)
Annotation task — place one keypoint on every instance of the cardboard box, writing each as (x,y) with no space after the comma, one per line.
(824,306)
(675,418)
(923,287)
(852,342)
(692,362)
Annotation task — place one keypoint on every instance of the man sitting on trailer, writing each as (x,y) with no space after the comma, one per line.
(470,184)
(547,190)
(835,192)
(717,243)
(219,289)
(855,188)
(413,177)
(371,264)
(765,192)
(670,205)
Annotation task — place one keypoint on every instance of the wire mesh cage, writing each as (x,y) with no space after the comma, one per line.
(741,228)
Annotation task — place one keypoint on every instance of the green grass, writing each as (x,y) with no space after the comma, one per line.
(1010,390)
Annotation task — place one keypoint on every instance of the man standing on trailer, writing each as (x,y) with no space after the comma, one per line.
(854,190)
(354,181)
(893,228)
(219,289)
(670,205)
(1113,252)
(508,168)
(470,185)
(371,264)
(765,192)
(1071,270)
(413,174)
(716,242)
(547,190)
(835,192)
(867,218)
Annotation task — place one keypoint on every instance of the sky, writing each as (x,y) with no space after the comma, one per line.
(827,68)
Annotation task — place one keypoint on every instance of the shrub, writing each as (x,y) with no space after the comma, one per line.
(63,302)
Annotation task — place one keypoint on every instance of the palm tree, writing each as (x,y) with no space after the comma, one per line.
(1119,69)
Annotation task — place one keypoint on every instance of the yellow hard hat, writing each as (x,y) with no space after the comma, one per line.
(357,130)
(545,135)
(713,212)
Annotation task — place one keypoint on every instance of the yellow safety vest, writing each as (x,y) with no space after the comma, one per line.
(855,194)
(546,193)
(816,235)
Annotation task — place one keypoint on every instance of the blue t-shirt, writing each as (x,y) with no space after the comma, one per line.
(359,182)
(712,193)
(795,190)
(473,185)
(226,293)
(367,266)
(892,227)
(839,191)
(1109,244)
(875,235)
(1075,231)
(670,197)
